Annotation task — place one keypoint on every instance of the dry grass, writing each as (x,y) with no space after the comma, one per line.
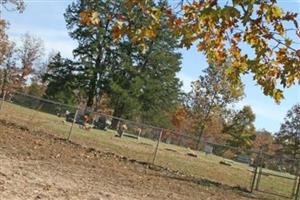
(204,166)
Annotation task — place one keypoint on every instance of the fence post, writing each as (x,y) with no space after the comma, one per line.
(297,190)
(295,194)
(157,145)
(139,133)
(260,169)
(3,99)
(296,163)
(74,120)
(254,178)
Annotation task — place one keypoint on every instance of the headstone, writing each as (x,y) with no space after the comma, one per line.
(243,159)
(208,149)
(168,141)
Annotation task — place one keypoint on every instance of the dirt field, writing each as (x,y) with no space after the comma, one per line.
(40,166)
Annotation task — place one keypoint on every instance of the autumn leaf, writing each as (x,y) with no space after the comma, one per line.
(276,12)
(278,95)
(155,14)
(201,46)
(288,42)
(279,28)
(213,26)
(169,13)
(144,48)
(149,33)
(178,22)
(121,17)
(237,36)
(89,18)
(116,32)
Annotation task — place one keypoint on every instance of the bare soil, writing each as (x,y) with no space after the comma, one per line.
(36,165)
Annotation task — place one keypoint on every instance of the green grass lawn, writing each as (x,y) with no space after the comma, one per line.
(203,166)
(273,184)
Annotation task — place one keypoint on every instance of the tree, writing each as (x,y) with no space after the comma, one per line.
(142,86)
(12,5)
(30,51)
(97,52)
(15,75)
(35,89)
(210,94)
(264,140)
(5,45)
(161,90)
(62,79)
(8,70)
(214,129)
(181,119)
(289,133)
(220,30)
(151,88)
(239,126)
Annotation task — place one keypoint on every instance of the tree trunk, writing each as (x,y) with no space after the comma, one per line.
(98,102)
(199,137)
(295,152)
(4,82)
(117,113)
(91,92)
(90,100)
(180,140)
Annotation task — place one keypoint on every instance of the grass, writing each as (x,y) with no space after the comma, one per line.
(171,156)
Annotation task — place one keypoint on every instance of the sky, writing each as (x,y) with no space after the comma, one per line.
(44,18)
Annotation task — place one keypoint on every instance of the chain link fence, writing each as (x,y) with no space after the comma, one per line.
(278,175)
(216,163)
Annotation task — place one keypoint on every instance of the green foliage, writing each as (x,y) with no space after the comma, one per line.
(35,89)
(239,126)
(138,81)
(150,89)
(96,52)
(62,78)
(289,133)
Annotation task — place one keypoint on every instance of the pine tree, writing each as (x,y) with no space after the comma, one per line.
(145,87)
(62,78)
